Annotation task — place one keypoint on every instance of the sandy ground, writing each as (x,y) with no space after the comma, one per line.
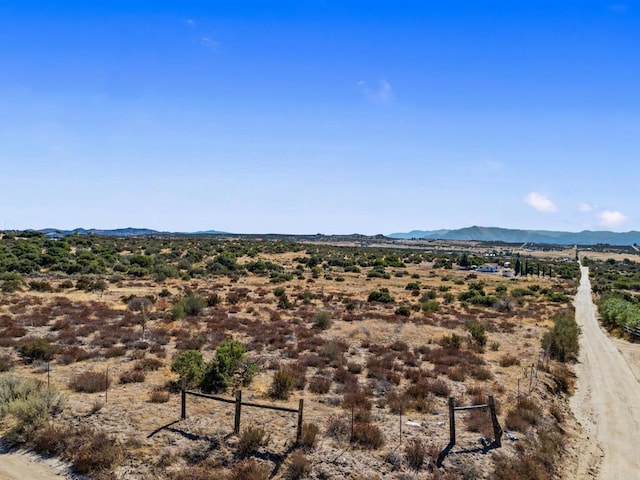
(20,465)
(607,399)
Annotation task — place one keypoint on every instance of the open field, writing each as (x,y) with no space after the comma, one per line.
(360,341)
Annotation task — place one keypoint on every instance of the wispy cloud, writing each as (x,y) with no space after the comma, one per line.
(611,218)
(585,207)
(209,43)
(190,22)
(540,203)
(382,93)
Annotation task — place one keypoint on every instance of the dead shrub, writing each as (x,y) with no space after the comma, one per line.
(93,452)
(251,438)
(509,360)
(48,439)
(148,364)
(132,376)
(299,466)
(6,362)
(415,453)
(308,438)
(367,436)
(159,395)
(115,352)
(525,414)
(337,427)
(245,470)
(281,385)
(90,382)
(319,385)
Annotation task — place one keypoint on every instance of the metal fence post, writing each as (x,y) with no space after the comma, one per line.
(236,420)
(452,423)
(300,412)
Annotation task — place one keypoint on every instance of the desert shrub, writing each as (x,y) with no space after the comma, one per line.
(6,362)
(37,349)
(219,373)
(563,378)
(321,319)
(308,438)
(320,385)
(438,387)
(132,376)
(403,310)
(562,340)
(48,439)
(451,341)
(94,452)
(415,453)
(90,382)
(525,414)
(40,286)
(367,436)
(251,438)
(478,334)
(281,385)
(159,395)
(299,466)
(31,405)
(248,469)
(509,360)
(112,352)
(148,364)
(193,305)
(190,366)
(381,296)
(337,427)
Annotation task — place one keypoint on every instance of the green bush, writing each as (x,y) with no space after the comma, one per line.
(37,349)
(561,342)
(321,319)
(382,296)
(229,360)
(478,334)
(190,366)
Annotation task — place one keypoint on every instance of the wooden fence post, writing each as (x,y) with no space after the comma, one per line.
(236,420)
(497,431)
(106,384)
(183,411)
(452,423)
(300,413)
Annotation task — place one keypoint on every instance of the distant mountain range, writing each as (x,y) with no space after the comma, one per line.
(122,232)
(508,235)
(483,234)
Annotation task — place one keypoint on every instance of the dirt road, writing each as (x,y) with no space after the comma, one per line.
(19,465)
(607,399)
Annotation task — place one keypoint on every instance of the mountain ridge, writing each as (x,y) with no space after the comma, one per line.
(508,235)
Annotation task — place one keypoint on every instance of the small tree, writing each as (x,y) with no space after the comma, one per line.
(190,366)
(229,360)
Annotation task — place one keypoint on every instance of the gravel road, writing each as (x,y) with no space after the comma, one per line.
(606,401)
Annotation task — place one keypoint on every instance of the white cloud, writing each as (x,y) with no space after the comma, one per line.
(190,22)
(540,202)
(209,43)
(611,218)
(382,93)
(585,207)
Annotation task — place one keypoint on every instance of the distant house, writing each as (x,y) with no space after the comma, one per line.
(487,268)
(53,235)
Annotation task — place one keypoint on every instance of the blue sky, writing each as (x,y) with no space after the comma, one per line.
(320,116)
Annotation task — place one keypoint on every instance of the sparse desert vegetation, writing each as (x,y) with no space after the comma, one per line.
(370,337)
